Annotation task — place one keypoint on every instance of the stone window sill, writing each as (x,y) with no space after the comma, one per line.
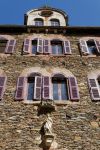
(55,102)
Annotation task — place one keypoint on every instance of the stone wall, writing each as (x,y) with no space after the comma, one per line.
(75,124)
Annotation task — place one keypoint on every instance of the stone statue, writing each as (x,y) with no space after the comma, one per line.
(48,125)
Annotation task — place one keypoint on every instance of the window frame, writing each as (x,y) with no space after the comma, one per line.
(84,50)
(55,22)
(37,22)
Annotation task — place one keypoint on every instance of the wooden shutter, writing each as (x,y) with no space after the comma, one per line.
(73,89)
(2,86)
(19,95)
(46,87)
(38,88)
(83,47)
(46,46)
(40,45)
(10,46)
(27,46)
(97,43)
(67,47)
(94,89)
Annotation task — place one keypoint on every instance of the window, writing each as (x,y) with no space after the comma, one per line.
(94,88)
(38,22)
(60,87)
(34,46)
(7,46)
(57,47)
(36,87)
(90,47)
(55,22)
(3,81)
(3,43)
(38,46)
(31,85)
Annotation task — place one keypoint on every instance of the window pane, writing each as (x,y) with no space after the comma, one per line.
(34,46)
(60,50)
(54,49)
(55,23)
(38,23)
(30,91)
(55,91)
(64,93)
(57,48)
(30,88)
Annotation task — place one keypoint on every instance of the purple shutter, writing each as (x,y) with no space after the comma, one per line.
(46,46)
(83,47)
(94,89)
(46,87)
(40,45)
(73,89)
(19,95)
(2,86)
(67,47)
(38,88)
(98,46)
(27,45)
(10,46)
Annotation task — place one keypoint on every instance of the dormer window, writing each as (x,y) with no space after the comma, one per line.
(55,22)
(38,22)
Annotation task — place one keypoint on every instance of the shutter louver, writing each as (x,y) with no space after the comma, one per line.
(40,46)
(27,46)
(83,47)
(46,88)
(98,46)
(46,47)
(2,86)
(67,47)
(73,88)
(38,88)
(10,46)
(19,95)
(94,89)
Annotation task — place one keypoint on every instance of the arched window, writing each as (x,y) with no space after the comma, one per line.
(57,47)
(39,22)
(33,87)
(90,47)
(60,87)
(55,22)
(37,87)
(64,88)
(31,82)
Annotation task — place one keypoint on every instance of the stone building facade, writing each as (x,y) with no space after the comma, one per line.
(57,61)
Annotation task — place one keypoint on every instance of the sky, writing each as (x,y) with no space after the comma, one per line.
(80,12)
